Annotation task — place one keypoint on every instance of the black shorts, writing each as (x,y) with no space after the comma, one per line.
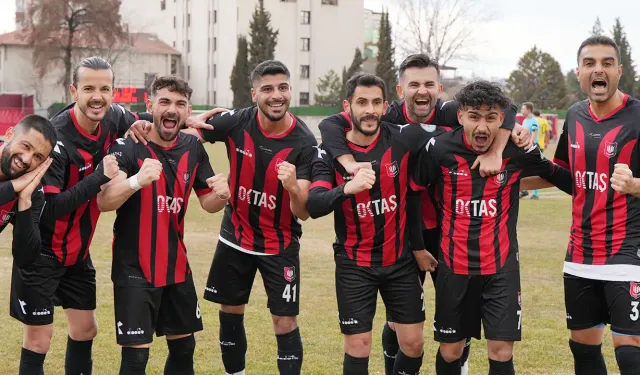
(233,271)
(38,287)
(169,310)
(590,303)
(431,238)
(357,291)
(464,302)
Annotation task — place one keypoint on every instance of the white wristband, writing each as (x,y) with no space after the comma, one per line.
(133,183)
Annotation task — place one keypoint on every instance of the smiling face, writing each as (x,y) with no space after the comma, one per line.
(599,72)
(272,94)
(170,111)
(93,92)
(481,125)
(24,152)
(420,88)
(366,109)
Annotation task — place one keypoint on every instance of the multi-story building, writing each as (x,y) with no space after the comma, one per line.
(314,37)
(371,37)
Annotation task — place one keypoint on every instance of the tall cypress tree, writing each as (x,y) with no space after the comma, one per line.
(263,38)
(240,84)
(386,68)
(356,66)
(628,79)
(597,28)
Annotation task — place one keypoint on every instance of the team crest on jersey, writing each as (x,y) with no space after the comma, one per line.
(5,217)
(610,149)
(519,299)
(186,176)
(290,273)
(392,169)
(278,162)
(501,178)
(634,290)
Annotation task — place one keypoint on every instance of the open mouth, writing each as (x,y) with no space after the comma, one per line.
(599,85)
(422,103)
(169,123)
(96,106)
(276,105)
(18,164)
(481,139)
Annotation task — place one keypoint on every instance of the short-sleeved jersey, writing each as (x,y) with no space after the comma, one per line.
(532,125)
(479,214)
(605,230)
(445,115)
(258,218)
(75,157)
(371,226)
(544,130)
(148,234)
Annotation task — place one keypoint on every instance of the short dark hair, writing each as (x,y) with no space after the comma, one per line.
(93,63)
(529,105)
(599,40)
(41,125)
(418,60)
(269,68)
(366,80)
(536,113)
(481,92)
(173,83)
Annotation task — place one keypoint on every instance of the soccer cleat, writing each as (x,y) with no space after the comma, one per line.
(465,368)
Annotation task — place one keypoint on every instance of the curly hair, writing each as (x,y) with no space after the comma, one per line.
(479,93)
(173,83)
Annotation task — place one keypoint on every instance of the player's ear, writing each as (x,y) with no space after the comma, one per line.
(149,106)
(74,92)
(620,66)
(189,110)
(399,91)
(386,106)
(440,88)
(9,133)
(347,106)
(460,116)
(253,95)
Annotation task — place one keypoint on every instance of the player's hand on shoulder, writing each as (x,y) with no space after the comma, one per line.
(287,175)
(149,172)
(110,166)
(218,184)
(139,131)
(521,137)
(426,261)
(490,164)
(200,121)
(622,180)
(363,180)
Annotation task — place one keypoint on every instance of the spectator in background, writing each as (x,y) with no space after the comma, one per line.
(531,123)
(543,138)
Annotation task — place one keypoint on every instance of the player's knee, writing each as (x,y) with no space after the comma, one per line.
(38,338)
(501,351)
(284,324)
(412,345)
(591,336)
(358,345)
(84,332)
(238,310)
(628,358)
(620,340)
(451,352)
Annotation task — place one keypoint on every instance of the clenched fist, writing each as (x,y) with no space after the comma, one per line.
(622,180)
(149,172)
(219,185)
(363,180)
(110,165)
(353,168)
(287,175)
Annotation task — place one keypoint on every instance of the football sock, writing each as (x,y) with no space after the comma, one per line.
(588,359)
(355,366)
(290,352)
(390,348)
(501,368)
(31,363)
(407,365)
(180,358)
(134,361)
(233,342)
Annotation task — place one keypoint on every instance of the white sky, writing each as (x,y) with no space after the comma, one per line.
(555,26)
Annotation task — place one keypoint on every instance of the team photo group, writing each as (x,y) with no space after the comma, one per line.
(419,186)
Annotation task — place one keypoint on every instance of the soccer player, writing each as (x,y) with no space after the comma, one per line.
(420,88)
(478,277)
(153,285)
(531,123)
(270,153)
(63,271)
(372,224)
(599,144)
(24,158)
(543,138)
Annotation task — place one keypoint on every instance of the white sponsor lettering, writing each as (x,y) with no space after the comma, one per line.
(349,322)
(169,204)
(477,207)
(377,207)
(591,181)
(257,198)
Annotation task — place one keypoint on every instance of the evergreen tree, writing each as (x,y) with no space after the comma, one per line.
(330,90)
(240,81)
(574,92)
(386,68)
(628,79)
(356,67)
(263,37)
(597,28)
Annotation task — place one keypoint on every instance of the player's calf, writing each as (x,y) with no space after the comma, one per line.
(500,357)
(134,359)
(588,359)
(411,341)
(83,328)
(180,358)
(233,340)
(628,358)
(390,347)
(357,348)
(448,358)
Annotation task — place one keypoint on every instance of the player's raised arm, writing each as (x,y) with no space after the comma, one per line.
(212,189)
(332,131)
(324,193)
(121,188)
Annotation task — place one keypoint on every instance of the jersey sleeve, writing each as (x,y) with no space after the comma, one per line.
(7,193)
(203,172)
(418,135)
(449,110)
(123,150)
(305,160)
(324,195)
(425,168)
(26,232)
(124,119)
(54,179)
(561,156)
(414,220)
(333,132)
(509,117)
(222,124)
(534,163)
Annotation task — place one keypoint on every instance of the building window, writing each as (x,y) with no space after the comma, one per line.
(215,43)
(329,2)
(209,45)
(174,22)
(304,98)
(215,97)
(215,70)
(306,17)
(188,72)
(287,1)
(163,5)
(174,44)
(304,71)
(189,20)
(215,16)
(188,46)
(306,44)
(174,66)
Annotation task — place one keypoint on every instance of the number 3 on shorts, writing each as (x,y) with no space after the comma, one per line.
(635,313)
(289,291)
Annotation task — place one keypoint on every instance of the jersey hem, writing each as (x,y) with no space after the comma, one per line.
(605,272)
(231,244)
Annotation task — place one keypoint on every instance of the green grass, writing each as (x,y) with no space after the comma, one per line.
(543,233)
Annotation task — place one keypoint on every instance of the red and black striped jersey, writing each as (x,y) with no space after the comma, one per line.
(373,227)
(26,235)
(75,157)
(479,214)
(445,115)
(258,218)
(605,229)
(148,234)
